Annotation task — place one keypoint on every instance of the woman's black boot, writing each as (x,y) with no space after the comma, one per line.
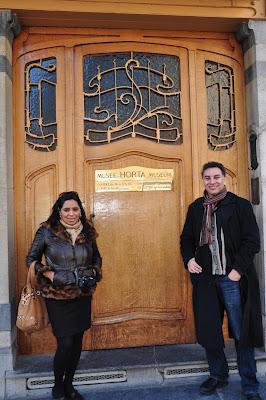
(58,392)
(73,394)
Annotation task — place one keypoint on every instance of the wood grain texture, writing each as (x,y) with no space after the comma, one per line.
(145,295)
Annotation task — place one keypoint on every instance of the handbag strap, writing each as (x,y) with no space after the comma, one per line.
(31,278)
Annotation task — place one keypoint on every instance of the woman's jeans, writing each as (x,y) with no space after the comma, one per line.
(229,294)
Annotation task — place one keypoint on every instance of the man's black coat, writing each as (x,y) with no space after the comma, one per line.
(235,215)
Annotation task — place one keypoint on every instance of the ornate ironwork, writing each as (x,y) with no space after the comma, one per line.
(253,150)
(221,125)
(132,94)
(40,104)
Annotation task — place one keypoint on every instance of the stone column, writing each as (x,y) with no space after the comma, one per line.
(7,254)
(252,35)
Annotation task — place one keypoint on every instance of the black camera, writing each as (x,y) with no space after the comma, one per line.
(87,282)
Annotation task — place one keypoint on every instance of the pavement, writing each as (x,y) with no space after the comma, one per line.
(144,368)
(187,389)
(183,389)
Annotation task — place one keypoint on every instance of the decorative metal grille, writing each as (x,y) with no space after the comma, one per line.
(40,104)
(221,125)
(132,94)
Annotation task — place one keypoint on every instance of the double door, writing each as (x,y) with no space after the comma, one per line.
(127,121)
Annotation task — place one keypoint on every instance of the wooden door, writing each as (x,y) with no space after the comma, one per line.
(90,103)
(40,158)
(144,295)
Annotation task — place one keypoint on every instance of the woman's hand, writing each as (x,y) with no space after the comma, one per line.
(234,275)
(194,267)
(49,275)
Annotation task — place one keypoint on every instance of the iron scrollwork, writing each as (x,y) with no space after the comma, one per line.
(221,125)
(253,150)
(132,94)
(40,104)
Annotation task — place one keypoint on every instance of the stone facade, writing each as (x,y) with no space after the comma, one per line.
(7,254)
(253,39)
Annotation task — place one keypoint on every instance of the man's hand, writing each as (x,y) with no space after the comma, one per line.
(234,275)
(193,267)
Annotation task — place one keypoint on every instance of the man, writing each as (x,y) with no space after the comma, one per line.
(218,243)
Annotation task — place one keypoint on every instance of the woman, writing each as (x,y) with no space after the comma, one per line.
(72,268)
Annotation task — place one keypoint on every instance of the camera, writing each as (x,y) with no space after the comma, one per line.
(87,282)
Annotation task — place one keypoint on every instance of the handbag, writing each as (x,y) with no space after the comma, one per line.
(32,313)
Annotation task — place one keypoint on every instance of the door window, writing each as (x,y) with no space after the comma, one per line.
(132,94)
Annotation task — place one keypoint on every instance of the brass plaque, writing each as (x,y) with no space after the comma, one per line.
(133,179)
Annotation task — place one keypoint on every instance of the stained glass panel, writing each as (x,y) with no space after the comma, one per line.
(40,104)
(221,125)
(129,95)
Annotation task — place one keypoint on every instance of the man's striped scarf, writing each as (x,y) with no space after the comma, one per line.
(210,205)
(210,235)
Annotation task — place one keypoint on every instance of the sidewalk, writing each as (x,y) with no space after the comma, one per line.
(183,389)
(170,372)
(187,389)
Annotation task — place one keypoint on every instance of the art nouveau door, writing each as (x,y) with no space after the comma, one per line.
(105,107)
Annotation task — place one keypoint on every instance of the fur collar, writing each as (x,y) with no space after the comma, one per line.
(61,232)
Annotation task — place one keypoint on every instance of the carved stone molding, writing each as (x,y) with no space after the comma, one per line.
(9,25)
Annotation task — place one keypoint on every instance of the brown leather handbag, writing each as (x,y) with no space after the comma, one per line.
(32,313)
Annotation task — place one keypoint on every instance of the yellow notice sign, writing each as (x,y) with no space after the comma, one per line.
(133,179)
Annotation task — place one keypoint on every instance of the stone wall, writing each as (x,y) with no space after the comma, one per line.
(7,254)
(252,35)
(253,39)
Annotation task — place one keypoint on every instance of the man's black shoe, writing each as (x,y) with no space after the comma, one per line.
(254,396)
(210,385)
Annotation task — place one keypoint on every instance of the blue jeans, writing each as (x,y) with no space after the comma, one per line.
(229,294)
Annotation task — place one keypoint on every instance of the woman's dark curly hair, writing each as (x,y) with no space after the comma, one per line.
(54,218)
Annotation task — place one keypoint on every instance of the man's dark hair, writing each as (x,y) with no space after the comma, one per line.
(213,164)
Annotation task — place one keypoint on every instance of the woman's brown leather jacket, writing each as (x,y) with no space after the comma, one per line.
(69,262)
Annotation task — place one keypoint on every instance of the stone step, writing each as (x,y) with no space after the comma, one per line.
(120,368)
